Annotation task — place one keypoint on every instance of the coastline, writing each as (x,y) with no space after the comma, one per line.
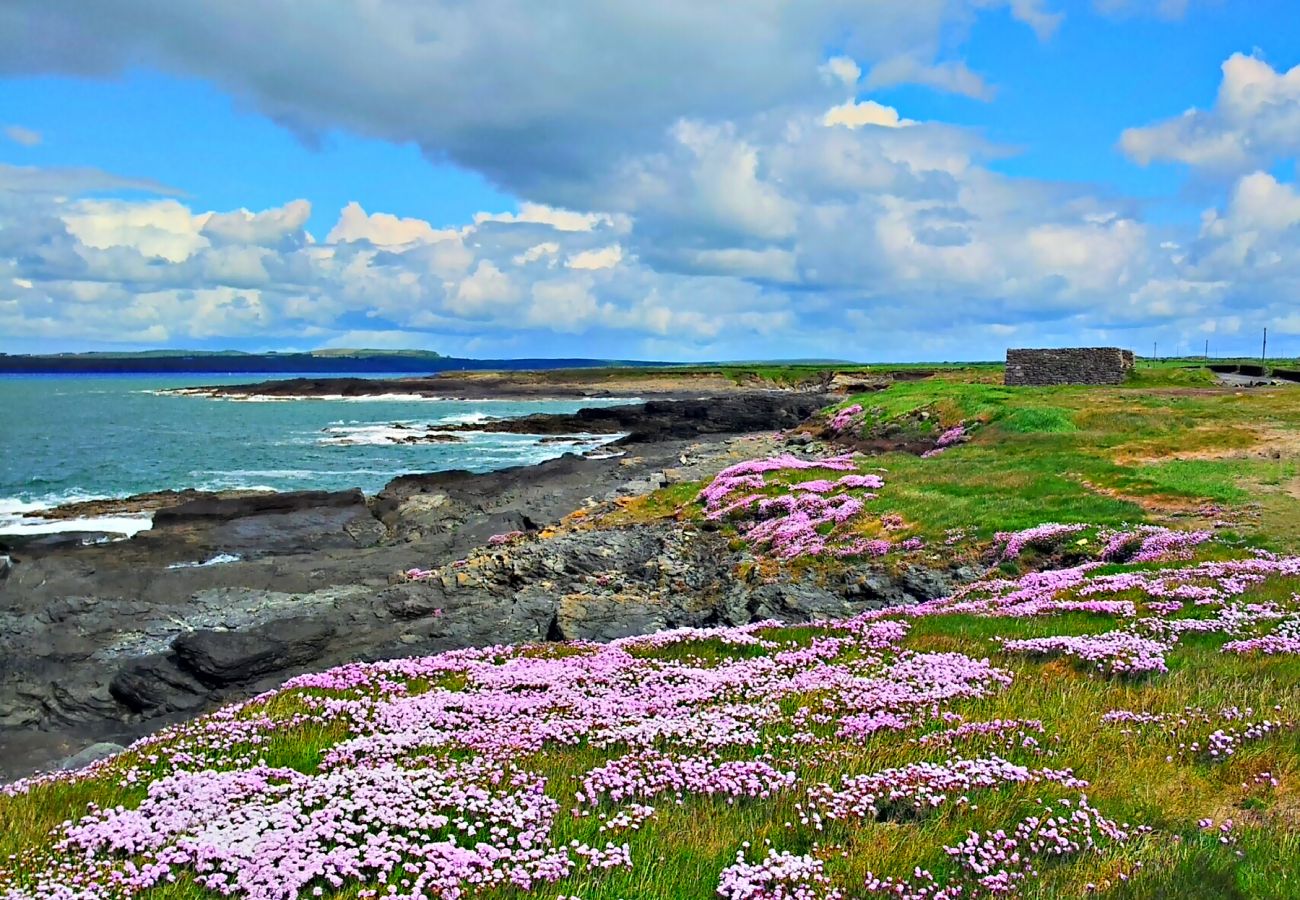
(479,386)
(87,626)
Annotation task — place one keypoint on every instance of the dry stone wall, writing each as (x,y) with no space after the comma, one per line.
(1074,365)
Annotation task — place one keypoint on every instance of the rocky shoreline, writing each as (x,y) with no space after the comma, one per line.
(226,596)
(482,386)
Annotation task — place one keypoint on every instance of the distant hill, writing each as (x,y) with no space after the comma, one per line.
(316,362)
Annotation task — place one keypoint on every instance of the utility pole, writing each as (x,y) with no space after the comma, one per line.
(1207,348)
(1263,353)
(1154,355)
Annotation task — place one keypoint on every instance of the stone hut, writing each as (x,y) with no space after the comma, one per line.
(1072,365)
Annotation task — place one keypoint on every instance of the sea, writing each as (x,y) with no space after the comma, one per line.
(65,438)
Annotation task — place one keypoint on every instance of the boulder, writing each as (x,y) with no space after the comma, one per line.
(414,600)
(93,753)
(797,602)
(222,658)
(599,618)
(925,584)
(153,685)
(217,508)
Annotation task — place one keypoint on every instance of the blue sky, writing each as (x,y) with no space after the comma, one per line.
(672,182)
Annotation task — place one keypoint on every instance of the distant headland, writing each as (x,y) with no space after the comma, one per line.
(312,361)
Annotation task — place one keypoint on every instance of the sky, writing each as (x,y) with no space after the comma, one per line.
(874,180)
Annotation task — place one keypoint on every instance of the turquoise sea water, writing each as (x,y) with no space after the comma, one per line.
(79,437)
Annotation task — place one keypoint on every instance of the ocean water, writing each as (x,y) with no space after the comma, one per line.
(66,438)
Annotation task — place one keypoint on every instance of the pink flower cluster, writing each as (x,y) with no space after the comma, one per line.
(846,417)
(952,435)
(1285,639)
(1112,653)
(1040,537)
(1012,733)
(920,787)
(805,521)
(646,775)
(1188,732)
(995,864)
(1152,543)
(500,540)
(779,876)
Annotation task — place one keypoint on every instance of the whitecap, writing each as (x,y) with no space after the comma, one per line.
(220,559)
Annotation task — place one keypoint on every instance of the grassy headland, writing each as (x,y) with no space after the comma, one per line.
(1112,710)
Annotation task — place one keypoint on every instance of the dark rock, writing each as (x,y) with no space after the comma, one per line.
(879,589)
(233,657)
(662,420)
(414,600)
(264,524)
(925,584)
(33,545)
(136,503)
(798,602)
(208,509)
(155,685)
(93,753)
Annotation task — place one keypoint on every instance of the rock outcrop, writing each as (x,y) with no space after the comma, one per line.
(663,420)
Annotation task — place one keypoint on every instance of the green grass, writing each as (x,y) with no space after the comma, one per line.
(1227,480)
(1048,420)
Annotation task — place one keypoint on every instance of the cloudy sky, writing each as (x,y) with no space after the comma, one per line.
(855,179)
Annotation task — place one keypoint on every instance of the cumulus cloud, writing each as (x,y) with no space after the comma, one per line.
(604,258)
(777,233)
(382,229)
(867,112)
(1255,121)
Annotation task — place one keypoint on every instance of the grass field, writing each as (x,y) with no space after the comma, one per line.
(1141,741)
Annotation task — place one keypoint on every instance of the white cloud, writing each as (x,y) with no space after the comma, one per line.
(563,306)
(541,214)
(25,137)
(162,229)
(603,258)
(770,264)
(485,292)
(727,189)
(842,69)
(536,252)
(244,227)
(866,112)
(1255,121)
(382,229)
